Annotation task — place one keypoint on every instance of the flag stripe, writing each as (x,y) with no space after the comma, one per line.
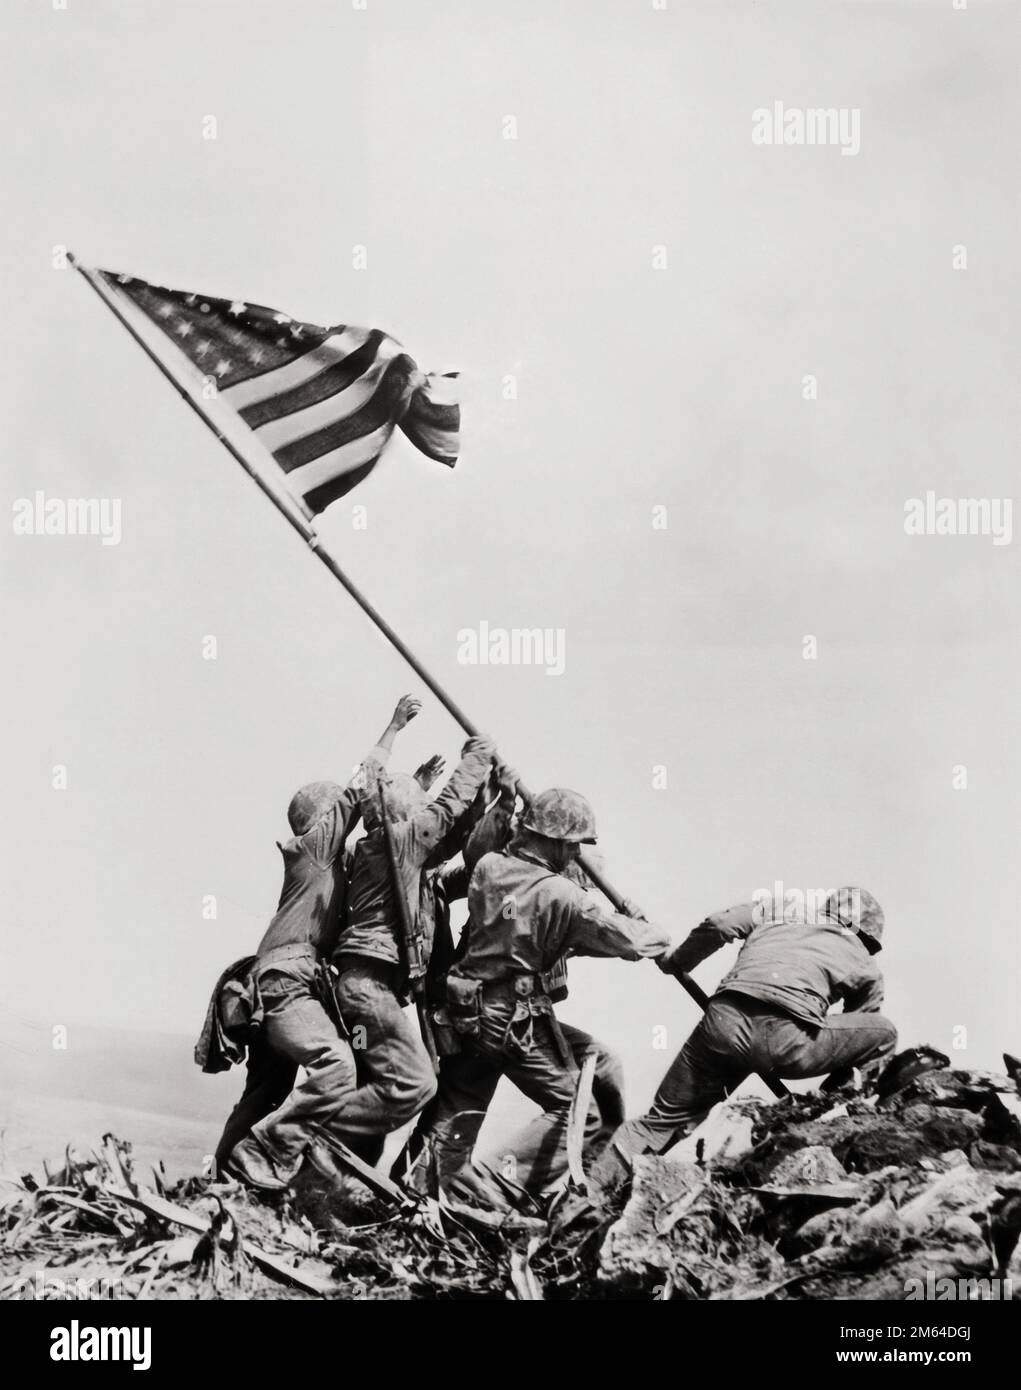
(321,497)
(384,406)
(366,449)
(435,443)
(303,368)
(333,378)
(300,423)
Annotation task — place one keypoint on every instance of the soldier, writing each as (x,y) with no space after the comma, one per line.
(525,917)
(768,1015)
(462,1095)
(396,1076)
(449,1126)
(297,1027)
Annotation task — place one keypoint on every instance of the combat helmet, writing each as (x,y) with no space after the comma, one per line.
(561,814)
(310,803)
(858,910)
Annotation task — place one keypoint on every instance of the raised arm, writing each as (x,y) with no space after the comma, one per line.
(492,832)
(434,820)
(326,838)
(733,924)
(404,712)
(366,775)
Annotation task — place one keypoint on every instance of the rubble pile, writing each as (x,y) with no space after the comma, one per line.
(92,1230)
(846,1195)
(834,1196)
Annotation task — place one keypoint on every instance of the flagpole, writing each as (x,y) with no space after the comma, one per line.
(308,535)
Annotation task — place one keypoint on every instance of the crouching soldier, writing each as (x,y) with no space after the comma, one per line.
(525,917)
(768,1015)
(396,1076)
(298,1027)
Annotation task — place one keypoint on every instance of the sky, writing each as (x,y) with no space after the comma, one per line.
(635,293)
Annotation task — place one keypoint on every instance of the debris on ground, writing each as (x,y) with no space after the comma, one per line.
(837,1195)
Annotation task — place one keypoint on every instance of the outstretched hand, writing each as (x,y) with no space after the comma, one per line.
(405,710)
(428,772)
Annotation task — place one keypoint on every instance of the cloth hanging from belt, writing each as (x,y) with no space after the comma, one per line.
(232,1016)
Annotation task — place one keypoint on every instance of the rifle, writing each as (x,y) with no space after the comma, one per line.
(411,950)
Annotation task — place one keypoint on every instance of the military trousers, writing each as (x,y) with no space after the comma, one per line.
(737,1036)
(467,1083)
(297,1031)
(395,1075)
(523,1040)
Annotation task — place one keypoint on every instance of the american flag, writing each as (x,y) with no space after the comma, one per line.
(324,401)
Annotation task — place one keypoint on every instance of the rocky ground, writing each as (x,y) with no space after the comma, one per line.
(842,1196)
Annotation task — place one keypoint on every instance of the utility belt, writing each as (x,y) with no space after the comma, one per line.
(530,996)
(294,950)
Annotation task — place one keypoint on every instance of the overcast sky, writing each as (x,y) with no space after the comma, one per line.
(638,385)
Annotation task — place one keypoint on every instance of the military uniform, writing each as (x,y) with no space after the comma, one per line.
(525,918)
(298,1027)
(450,1124)
(396,1077)
(768,1015)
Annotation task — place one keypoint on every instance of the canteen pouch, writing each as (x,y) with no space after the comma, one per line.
(554,980)
(464,1005)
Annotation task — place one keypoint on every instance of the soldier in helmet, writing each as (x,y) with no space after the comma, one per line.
(396,1077)
(439,1151)
(525,916)
(297,1028)
(768,1015)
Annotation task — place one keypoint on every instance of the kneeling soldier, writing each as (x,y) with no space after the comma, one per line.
(769,1015)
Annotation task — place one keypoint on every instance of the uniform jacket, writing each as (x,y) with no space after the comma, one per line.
(801,967)
(373,925)
(315,875)
(524,916)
